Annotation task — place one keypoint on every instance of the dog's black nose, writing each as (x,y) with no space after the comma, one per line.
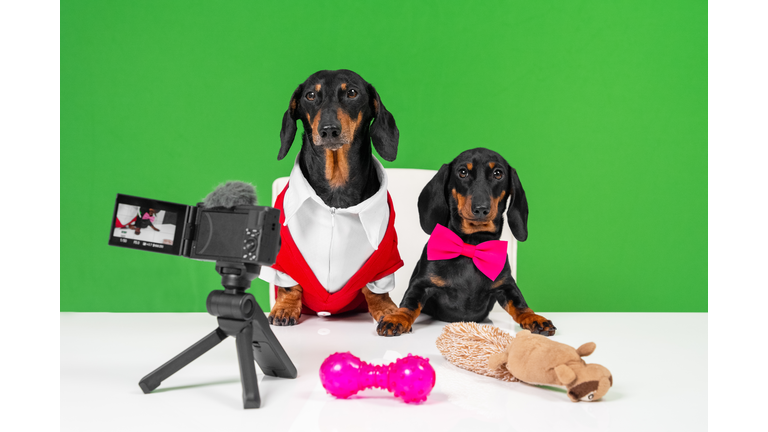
(480,210)
(330,131)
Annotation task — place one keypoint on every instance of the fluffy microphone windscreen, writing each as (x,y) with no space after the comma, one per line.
(231,194)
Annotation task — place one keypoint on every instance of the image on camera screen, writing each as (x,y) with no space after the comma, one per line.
(145,224)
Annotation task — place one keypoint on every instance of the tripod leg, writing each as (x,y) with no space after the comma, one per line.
(251,398)
(153,380)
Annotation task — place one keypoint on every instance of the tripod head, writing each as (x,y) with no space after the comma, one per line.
(233,302)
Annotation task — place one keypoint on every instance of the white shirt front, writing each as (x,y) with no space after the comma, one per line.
(335,242)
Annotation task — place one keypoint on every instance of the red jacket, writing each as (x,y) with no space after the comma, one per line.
(384,261)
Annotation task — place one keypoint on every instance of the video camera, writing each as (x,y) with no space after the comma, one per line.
(245,233)
(240,238)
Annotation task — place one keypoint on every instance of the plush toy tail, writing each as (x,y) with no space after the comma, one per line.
(468,345)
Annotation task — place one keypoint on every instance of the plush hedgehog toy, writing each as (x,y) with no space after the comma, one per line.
(526,357)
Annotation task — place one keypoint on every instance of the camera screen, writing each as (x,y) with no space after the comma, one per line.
(141,223)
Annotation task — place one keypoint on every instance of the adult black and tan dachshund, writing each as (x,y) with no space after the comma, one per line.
(336,109)
(468,196)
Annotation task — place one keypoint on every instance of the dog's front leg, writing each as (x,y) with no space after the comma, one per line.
(401,320)
(378,304)
(511,299)
(287,309)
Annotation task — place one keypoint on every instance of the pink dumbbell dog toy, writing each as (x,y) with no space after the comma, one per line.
(410,378)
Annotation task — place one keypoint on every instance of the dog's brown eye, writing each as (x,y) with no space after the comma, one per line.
(311,96)
(352,93)
(463,172)
(498,174)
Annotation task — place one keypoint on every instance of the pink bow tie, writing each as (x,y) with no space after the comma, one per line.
(147,216)
(489,257)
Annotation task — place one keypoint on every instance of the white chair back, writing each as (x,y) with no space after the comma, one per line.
(405,185)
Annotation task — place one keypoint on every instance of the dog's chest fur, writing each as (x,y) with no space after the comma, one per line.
(462,292)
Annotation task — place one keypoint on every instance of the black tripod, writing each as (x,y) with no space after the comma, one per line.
(239,316)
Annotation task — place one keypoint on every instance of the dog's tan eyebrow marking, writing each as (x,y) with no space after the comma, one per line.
(491,164)
(318,87)
(469,166)
(343,86)
(498,283)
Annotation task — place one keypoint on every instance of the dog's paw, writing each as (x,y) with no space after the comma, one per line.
(537,324)
(394,324)
(379,314)
(284,317)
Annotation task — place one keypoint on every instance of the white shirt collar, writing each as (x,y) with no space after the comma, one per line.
(373,212)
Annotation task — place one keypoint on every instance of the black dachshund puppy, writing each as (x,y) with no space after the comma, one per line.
(468,196)
(343,118)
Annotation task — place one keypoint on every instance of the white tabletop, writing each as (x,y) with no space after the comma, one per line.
(658,362)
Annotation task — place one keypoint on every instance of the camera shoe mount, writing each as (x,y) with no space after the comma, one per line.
(239,316)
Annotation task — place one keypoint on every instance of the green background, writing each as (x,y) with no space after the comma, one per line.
(600,106)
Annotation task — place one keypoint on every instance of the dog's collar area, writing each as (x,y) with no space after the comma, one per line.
(468,250)
(489,257)
(373,212)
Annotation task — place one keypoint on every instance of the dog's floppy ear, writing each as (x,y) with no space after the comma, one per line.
(433,205)
(517,214)
(384,133)
(288,131)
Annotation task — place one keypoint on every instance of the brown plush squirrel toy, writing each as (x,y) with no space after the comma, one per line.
(526,357)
